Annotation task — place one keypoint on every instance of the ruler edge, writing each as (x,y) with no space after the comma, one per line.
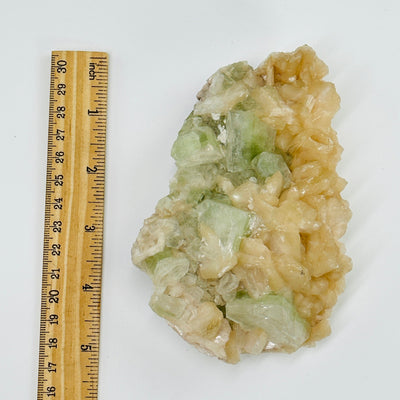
(47,210)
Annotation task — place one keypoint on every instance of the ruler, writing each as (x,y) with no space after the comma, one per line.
(73,231)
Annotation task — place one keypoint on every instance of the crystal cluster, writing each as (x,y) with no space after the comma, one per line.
(244,252)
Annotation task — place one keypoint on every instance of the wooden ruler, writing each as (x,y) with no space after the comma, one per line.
(73,232)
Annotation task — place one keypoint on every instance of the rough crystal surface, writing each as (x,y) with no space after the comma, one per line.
(244,252)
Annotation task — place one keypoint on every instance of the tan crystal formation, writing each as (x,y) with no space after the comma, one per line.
(292,252)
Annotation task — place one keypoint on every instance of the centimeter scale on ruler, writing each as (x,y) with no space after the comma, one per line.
(73,231)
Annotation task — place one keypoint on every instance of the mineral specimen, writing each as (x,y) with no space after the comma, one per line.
(244,252)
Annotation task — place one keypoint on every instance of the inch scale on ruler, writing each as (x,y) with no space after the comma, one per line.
(73,231)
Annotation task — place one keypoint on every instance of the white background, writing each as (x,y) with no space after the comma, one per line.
(161,53)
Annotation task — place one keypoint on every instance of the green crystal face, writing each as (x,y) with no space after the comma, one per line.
(272,313)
